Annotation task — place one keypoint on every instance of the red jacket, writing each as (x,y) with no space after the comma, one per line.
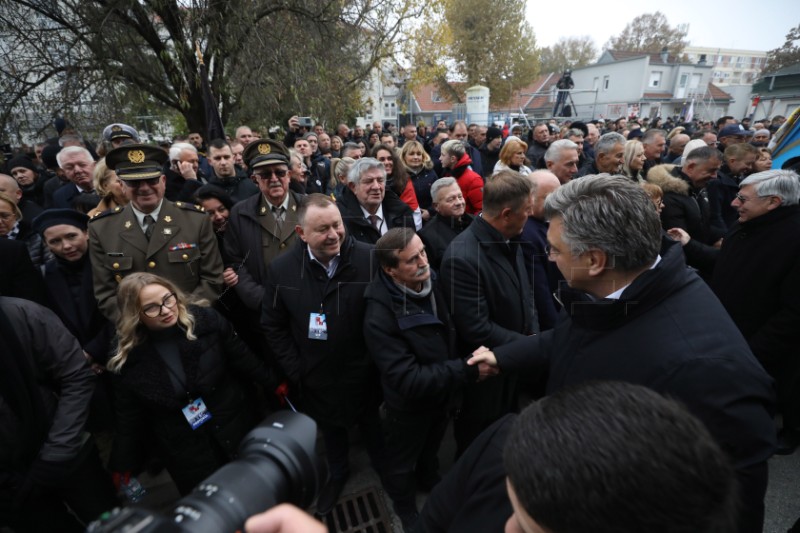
(470,182)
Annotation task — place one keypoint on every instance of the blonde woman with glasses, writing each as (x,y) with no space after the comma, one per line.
(182,374)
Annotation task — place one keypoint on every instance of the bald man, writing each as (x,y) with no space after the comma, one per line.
(9,186)
(543,274)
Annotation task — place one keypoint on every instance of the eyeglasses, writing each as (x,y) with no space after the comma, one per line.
(154,310)
(744,199)
(267,174)
(7,216)
(133,184)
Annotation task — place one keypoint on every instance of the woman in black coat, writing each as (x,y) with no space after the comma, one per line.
(175,364)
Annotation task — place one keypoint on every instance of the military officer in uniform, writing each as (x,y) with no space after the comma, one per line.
(171,239)
(261,227)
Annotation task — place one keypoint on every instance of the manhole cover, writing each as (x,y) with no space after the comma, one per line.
(362,512)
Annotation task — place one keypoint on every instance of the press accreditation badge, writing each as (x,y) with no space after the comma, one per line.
(317,327)
(196,413)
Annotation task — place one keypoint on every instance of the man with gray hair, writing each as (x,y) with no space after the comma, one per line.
(450,220)
(686,203)
(654,142)
(623,303)
(78,166)
(183,172)
(609,155)
(483,276)
(762,296)
(368,209)
(562,158)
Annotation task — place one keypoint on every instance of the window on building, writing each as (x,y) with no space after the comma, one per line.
(718,60)
(655,78)
(757,61)
(606,82)
(390,110)
(436,98)
(596,84)
(739,61)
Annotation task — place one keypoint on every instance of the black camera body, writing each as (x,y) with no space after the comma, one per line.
(277,463)
(305,122)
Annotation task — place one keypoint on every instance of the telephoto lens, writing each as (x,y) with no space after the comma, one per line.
(277,463)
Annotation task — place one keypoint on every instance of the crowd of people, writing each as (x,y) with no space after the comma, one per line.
(398,282)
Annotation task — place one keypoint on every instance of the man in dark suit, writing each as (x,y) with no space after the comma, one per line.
(174,240)
(483,276)
(78,166)
(313,318)
(624,300)
(368,209)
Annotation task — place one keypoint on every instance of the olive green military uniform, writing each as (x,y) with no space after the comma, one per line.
(182,246)
(182,249)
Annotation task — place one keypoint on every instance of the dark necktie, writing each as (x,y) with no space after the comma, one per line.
(150,224)
(376,222)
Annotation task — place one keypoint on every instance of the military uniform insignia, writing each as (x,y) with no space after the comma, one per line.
(167,218)
(116,128)
(264,149)
(263,209)
(127,224)
(168,231)
(136,156)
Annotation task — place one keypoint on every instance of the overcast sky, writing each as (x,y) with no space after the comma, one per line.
(749,25)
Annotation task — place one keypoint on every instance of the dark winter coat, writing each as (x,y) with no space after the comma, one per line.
(396,214)
(422,180)
(485,282)
(669,333)
(71,297)
(59,373)
(684,206)
(239,187)
(413,348)
(149,404)
(331,376)
(757,279)
(439,232)
(721,192)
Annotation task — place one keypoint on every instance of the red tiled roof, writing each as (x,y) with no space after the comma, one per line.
(717,93)
(424,97)
(543,100)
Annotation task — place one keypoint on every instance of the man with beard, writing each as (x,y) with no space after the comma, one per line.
(226,176)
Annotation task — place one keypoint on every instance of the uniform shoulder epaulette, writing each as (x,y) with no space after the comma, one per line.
(190,207)
(106,213)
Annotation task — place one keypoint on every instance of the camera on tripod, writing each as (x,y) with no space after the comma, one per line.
(277,463)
